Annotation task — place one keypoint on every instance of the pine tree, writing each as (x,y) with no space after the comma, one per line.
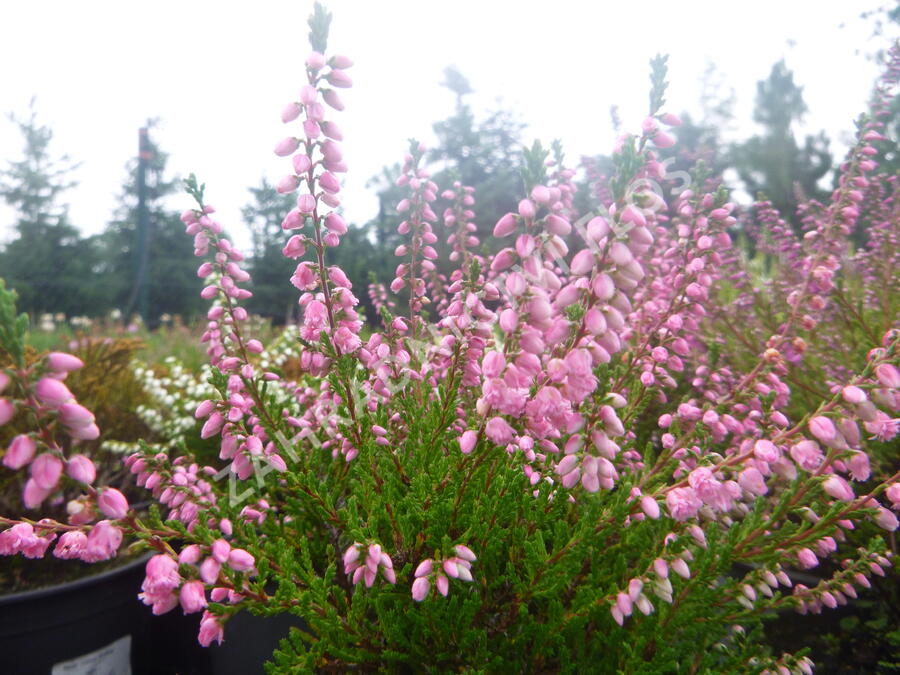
(49,265)
(774,163)
(273,296)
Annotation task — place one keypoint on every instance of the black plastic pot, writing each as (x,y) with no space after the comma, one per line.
(92,625)
(97,626)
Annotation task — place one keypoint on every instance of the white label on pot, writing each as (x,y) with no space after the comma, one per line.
(113,659)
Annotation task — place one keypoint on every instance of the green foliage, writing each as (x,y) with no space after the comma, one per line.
(12,327)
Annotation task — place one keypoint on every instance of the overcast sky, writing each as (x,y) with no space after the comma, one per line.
(217,74)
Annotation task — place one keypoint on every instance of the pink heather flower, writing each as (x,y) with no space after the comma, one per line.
(505,226)
(557,225)
(193,597)
(290,112)
(46,470)
(287,184)
(88,433)
(287,146)
(838,488)
(807,455)
(212,426)
(670,119)
(807,558)
(420,588)
(853,395)
(683,503)
(7,410)
(52,392)
(210,629)
(498,430)
(209,570)
(81,468)
(582,263)
(888,375)
(33,494)
(751,480)
(335,223)
(467,441)
(662,139)
(75,416)
(240,560)
(190,555)
(103,542)
(893,494)
(295,247)
(823,429)
(766,451)
(112,503)
(20,452)
(70,545)
(650,507)
(526,209)
(333,99)
(858,465)
(339,78)
(306,203)
(464,552)
(60,362)
(886,520)
(220,550)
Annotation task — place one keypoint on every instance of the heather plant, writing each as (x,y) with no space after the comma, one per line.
(547,460)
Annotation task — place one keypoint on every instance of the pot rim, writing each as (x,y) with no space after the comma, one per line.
(74,585)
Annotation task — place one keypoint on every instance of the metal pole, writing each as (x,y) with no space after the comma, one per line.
(143,227)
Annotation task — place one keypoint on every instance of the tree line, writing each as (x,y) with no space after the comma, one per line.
(55,269)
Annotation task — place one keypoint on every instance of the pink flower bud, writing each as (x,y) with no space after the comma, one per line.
(582,263)
(112,503)
(807,558)
(192,597)
(46,470)
(526,209)
(838,488)
(338,78)
(420,588)
(467,441)
(505,226)
(60,362)
(52,392)
(886,520)
(290,112)
(212,426)
(650,507)
(20,452)
(662,139)
(340,61)
(75,415)
(7,410)
(81,468)
(557,225)
(240,560)
(88,433)
(209,570)
(823,429)
(335,224)
(333,99)
(315,61)
(287,146)
(888,375)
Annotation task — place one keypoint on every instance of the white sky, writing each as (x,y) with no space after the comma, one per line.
(218,74)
